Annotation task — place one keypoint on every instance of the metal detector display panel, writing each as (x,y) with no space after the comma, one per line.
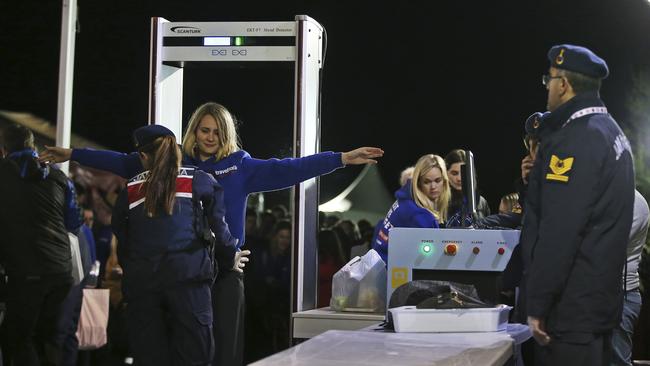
(451,250)
(229,41)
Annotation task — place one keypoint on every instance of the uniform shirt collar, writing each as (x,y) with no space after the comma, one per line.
(558,117)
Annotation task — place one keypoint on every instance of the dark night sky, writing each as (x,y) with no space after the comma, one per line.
(410,77)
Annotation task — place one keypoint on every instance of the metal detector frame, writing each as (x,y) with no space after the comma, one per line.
(165,107)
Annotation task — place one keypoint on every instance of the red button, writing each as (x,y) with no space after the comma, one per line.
(476,250)
(501,251)
(451,249)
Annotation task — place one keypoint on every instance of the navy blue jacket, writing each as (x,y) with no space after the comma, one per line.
(404,213)
(162,251)
(238,173)
(578,214)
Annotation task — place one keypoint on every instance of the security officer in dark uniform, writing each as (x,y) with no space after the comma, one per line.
(578,214)
(511,276)
(167,266)
(512,220)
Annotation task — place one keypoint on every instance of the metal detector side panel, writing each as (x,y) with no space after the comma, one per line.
(166,85)
(66,75)
(307,142)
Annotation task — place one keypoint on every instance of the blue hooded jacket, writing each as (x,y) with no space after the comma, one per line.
(404,213)
(238,173)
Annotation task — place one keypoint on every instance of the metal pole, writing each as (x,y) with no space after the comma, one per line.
(307,142)
(66,72)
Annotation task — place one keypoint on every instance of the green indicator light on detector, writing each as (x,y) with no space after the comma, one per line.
(426,248)
(239,41)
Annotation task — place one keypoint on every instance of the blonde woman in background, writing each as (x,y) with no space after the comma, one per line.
(422,202)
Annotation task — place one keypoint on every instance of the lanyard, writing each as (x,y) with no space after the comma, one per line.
(584,112)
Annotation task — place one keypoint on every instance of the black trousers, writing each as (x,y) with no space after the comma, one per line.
(585,349)
(171,326)
(34,306)
(67,327)
(229,307)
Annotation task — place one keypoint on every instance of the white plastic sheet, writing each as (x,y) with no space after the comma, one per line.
(350,348)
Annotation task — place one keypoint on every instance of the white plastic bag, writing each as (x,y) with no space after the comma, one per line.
(77,264)
(360,285)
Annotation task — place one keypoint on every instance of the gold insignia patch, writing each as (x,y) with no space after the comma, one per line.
(559,168)
(559,60)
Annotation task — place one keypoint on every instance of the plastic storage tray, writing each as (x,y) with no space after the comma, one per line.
(410,319)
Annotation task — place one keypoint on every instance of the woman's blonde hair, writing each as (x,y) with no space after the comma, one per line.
(440,206)
(228,140)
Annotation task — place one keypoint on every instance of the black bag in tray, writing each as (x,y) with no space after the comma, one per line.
(429,294)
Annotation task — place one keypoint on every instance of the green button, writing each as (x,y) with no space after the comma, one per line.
(426,248)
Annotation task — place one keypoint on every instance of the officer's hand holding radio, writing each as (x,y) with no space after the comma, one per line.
(526,166)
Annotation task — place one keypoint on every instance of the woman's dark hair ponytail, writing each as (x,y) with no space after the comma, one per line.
(160,185)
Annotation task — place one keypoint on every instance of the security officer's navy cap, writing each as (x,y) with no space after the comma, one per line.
(533,123)
(148,134)
(578,59)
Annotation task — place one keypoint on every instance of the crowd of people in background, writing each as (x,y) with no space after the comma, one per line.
(268,274)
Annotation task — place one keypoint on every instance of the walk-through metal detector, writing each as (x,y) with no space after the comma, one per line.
(175,44)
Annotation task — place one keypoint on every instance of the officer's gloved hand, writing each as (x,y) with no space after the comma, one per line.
(241,257)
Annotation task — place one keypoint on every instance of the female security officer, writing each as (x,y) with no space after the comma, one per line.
(212,144)
(167,267)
